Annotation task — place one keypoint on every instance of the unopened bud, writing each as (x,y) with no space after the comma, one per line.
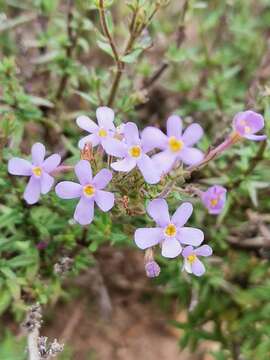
(87,153)
(152,269)
(140,97)
(141,18)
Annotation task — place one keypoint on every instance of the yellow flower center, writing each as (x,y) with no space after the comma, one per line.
(214,202)
(170,230)
(191,258)
(37,171)
(175,145)
(135,151)
(89,190)
(247,129)
(102,133)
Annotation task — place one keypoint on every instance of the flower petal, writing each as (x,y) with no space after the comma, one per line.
(32,191)
(153,138)
(115,147)
(187,251)
(85,123)
(192,134)
(131,133)
(68,190)
(187,266)
(170,248)
(105,117)
(254,120)
(198,268)
(46,183)
(204,250)
(164,160)
(83,172)
(125,165)
(182,214)
(191,156)
(190,236)
(104,200)
(174,126)
(214,199)
(248,118)
(92,139)
(102,178)
(84,212)
(256,137)
(51,163)
(148,237)
(38,153)
(17,166)
(159,212)
(149,170)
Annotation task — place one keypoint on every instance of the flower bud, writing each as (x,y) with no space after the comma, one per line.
(87,153)
(141,18)
(152,269)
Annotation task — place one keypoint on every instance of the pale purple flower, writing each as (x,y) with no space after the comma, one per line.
(152,269)
(100,132)
(39,172)
(192,264)
(89,190)
(169,233)
(132,151)
(175,145)
(214,199)
(248,123)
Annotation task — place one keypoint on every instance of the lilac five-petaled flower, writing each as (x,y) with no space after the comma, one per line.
(214,199)
(175,145)
(39,171)
(89,190)
(247,123)
(133,151)
(99,132)
(192,264)
(169,233)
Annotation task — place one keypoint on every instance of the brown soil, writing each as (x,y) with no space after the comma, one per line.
(115,319)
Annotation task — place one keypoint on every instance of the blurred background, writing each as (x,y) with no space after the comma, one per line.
(205,61)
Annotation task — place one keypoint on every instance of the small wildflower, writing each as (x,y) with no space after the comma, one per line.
(39,172)
(152,269)
(89,190)
(169,233)
(133,151)
(175,145)
(192,264)
(246,124)
(214,199)
(99,133)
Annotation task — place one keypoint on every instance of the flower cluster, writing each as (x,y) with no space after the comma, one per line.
(171,235)
(154,154)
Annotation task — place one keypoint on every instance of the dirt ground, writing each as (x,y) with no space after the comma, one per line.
(114,318)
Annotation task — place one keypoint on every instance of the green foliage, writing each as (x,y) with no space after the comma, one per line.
(10,352)
(59,64)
